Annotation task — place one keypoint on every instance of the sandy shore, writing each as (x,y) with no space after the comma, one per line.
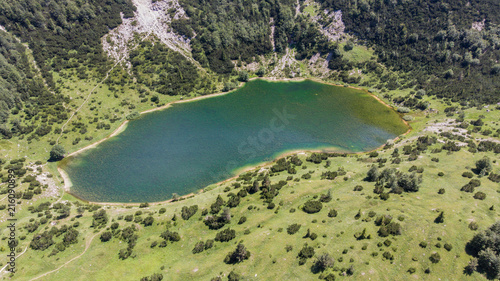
(118,130)
(66,179)
(122,127)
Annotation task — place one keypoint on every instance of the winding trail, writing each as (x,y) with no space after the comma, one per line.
(87,245)
(91,91)
(97,85)
(151,19)
(5,266)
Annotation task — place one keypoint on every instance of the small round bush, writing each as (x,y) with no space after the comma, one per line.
(293,228)
(435,258)
(480,195)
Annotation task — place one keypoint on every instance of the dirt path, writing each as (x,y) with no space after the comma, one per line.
(5,266)
(87,245)
(98,84)
(87,98)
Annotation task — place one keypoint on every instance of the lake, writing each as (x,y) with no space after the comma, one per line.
(191,145)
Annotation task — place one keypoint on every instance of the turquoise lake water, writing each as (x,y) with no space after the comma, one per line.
(191,145)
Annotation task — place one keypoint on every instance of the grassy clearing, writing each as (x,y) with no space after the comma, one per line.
(358,54)
(311,8)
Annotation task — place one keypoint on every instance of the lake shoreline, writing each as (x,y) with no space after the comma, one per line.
(238,171)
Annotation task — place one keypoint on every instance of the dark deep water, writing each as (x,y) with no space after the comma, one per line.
(191,145)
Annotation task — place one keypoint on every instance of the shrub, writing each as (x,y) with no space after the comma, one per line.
(293,228)
(435,258)
(261,71)
(225,235)
(188,212)
(373,174)
(494,177)
(233,276)
(199,247)
(325,198)
(388,256)
(448,247)
(243,76)
(403,109)
(332,213)
(306,176)
(57,153)
(133,115)
(467,175)
(323,262)
(242,220)
(106,236)
(240,254)
(441,191)
(440,218)
(384,196)
(423,244)
(100,218)
(480,195)
(475,182)
(209,244)
(473,225)
(483,166)
(408,118)
(467,188)
(306,252)
(148,221)
(312,206)
(330,277)
(313,236)
(170,236)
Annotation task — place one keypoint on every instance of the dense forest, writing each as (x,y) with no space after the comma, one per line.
(22,90)
(64,34)
(451,48)
(165,71)
(240,30)
(14,70)
(60,34)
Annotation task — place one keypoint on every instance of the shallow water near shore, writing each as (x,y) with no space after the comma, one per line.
(191,145)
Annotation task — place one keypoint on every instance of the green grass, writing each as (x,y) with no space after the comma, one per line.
(357,54)
(311,9)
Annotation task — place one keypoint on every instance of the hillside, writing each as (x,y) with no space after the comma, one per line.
(423,207)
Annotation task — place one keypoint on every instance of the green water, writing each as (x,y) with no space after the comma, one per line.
(191,145)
